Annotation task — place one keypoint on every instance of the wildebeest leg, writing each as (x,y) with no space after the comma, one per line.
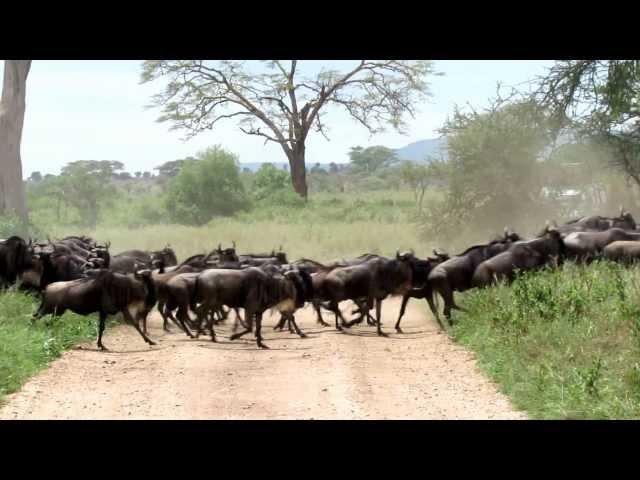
(316,306)
(280,324)
(449,303)
(403,307)
(379,317)
(212,331)
(434,309)
(170,316)
(259,331)
(135,325)
(165,323)
(333,306)
(292,321)
(101,323)
(183,317)
(248,316)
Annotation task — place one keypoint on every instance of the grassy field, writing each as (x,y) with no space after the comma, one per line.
(562,344)
(328,227)
(25,349)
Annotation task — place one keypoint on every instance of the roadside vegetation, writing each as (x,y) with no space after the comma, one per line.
(563,344)
(26,349)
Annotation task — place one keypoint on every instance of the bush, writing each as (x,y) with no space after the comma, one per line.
(206,187)
(562,343)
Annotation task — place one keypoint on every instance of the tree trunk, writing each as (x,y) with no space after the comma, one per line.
(298,170)
(12,106)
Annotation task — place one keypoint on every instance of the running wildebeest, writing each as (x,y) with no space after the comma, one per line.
(599,223)
(251,289)
(455,274)
(107,293)
(366,283)
(587,245)
(421,287)
(548,247)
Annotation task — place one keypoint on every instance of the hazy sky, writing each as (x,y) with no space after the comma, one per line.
(81,110)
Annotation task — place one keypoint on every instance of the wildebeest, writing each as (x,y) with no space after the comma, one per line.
(15,258)
(195,263)
(133,260)
(599,223)
(523,255)
(586,245)
(107,293)
(625,251)
(455,274)
(258,259)
(48,267)
(366,283)
(420,285)
(251,289)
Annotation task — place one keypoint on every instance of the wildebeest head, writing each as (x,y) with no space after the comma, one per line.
(226,254)
(15,257)
(167,255)
(625,220)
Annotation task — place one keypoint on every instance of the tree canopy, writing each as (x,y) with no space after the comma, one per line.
(370,159)
(207,186)
(599,99)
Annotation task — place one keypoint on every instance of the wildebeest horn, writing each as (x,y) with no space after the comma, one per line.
(233,243)
(280,248)
(621,210)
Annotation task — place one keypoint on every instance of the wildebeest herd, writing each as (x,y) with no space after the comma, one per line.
(79,275)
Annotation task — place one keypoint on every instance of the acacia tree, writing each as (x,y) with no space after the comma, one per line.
(287,104)
(12,107)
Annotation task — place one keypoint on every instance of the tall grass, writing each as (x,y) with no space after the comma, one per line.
(24,348)
(563,344)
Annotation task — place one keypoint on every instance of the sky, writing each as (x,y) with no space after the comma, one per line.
(95,110)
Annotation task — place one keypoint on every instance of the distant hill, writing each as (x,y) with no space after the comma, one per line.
(418,151)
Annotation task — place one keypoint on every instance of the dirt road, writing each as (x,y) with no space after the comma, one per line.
(329,375)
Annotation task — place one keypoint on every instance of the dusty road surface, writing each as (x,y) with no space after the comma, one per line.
(329,375)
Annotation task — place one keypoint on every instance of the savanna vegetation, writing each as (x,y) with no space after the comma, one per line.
(561,343)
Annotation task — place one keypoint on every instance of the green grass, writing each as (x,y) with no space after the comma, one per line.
(26,349)
(562,344)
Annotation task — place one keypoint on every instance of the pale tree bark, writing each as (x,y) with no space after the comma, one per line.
(12,107)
